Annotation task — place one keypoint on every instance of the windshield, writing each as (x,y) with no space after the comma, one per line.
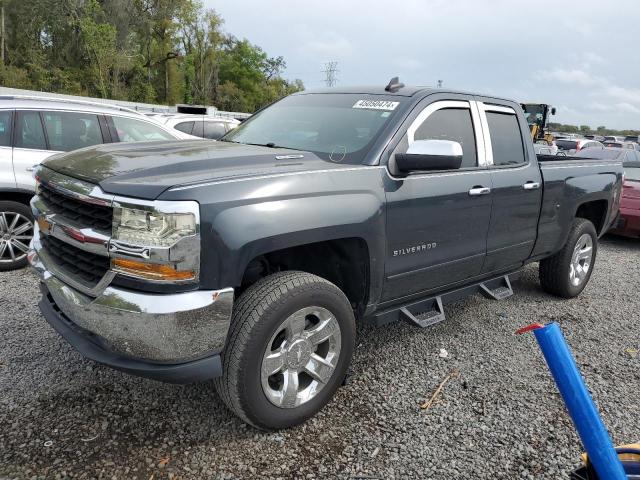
(534,113)
(337,127)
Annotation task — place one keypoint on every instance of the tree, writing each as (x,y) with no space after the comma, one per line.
(99,41)
(143,50)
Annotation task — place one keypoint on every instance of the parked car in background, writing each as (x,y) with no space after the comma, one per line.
(629,220)
(629,223)
(34,128)
(627,145)
(576,144)
(203,126)
(613,138)
(544,149)
(632,138)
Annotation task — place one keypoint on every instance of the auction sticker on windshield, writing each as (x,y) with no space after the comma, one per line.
(376,104)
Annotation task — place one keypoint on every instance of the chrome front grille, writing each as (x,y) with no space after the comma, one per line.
(86,214)
(76,263)
(73,223)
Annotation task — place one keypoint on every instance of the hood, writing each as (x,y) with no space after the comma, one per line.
(147,169)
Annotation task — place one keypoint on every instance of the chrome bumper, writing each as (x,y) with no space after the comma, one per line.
(165,328)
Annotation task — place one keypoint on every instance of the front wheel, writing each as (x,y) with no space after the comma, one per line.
(567,273)
(16,231)
(290,345)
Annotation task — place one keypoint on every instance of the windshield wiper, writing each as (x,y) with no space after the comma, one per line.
(269,144)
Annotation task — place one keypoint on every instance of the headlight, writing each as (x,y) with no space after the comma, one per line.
(158,241)
(152,228)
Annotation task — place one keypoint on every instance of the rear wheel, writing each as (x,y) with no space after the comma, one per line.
(567,273)
(16,232)
(290,344)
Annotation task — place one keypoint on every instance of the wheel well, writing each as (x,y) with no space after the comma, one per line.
(20,197)
(595,212)
(343,262)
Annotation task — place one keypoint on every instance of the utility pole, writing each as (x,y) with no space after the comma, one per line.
(330,70)
(440,82)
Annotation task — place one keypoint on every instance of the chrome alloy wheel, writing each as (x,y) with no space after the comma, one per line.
(581,260)
(16,232)
(301,357)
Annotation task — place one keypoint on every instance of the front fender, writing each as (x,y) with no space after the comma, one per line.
(248,231)
(242,220)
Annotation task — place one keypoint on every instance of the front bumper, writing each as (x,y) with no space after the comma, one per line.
(170,337)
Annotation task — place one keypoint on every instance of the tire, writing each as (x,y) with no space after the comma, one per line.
(564,273)
(14,237)
(257,325)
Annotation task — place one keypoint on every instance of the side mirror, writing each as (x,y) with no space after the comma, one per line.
(553,110)
(430,155)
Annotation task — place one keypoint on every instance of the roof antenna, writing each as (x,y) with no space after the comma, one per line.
(394,85)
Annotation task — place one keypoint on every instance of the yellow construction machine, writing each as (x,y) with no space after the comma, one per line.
(537,115)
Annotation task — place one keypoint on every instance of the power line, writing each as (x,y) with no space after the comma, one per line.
(330,70)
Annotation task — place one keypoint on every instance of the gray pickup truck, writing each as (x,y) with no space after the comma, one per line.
(250,260)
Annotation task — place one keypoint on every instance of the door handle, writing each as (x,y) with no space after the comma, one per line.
(479,191)
(531,185)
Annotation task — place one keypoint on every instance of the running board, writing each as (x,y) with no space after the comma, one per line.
(425,313)
(497,289)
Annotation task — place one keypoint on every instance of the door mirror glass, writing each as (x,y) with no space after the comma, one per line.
(430,155)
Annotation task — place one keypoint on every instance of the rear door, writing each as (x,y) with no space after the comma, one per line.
(436,222)
(516,191)
(7,177)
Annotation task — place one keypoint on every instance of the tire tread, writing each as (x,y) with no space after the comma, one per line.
(248,310)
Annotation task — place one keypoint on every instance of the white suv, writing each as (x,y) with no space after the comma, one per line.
(203,126)
(34,128)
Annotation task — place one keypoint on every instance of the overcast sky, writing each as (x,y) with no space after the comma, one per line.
(581,56)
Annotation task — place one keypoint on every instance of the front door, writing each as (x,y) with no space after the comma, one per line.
(437,222)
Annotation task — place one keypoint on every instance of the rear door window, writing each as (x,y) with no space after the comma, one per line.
(133,130)
(68,131)
(214,130)
(198,129)
(506,139)
(453,124)
(29,131)
(185,127)
(6,117)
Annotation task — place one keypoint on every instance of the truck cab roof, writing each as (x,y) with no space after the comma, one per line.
(404,91)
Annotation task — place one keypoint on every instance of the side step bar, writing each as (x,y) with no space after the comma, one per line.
(497,289)
(425,313)
(429,311)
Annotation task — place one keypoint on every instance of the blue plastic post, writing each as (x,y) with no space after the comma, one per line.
(582,410)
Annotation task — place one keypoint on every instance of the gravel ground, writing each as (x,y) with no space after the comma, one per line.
(500,417)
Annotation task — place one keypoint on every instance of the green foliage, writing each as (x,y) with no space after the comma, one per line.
(586,130)
(166,51)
